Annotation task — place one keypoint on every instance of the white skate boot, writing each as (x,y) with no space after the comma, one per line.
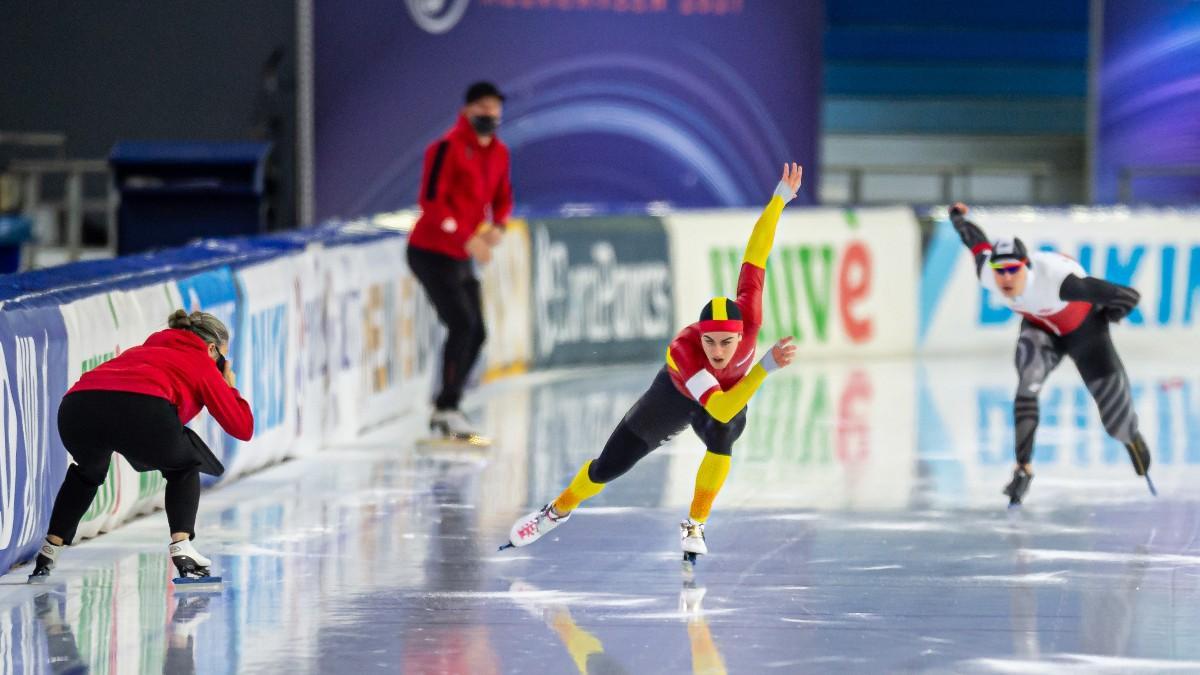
(193,568)
(46,558)
(453,426)
(691,539)
(533,526)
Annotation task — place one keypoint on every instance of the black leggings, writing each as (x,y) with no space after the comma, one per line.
(658,415)
(455,294)
(146,431)
(1090,347)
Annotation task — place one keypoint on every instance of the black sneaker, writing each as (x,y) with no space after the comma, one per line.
(1139,454)
(1019,485)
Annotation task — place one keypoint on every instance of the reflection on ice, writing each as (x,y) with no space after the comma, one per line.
(863,507)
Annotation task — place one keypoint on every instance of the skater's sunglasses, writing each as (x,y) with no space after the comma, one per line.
(1006,269)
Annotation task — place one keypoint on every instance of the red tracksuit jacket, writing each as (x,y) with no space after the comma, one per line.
(461,180)
(174,364)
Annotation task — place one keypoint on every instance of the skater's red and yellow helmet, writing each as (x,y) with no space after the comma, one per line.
(721,315)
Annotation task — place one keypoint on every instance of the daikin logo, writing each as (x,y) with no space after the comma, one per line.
(437,16)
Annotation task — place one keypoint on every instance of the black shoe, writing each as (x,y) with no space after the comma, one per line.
(1139,454)
(1018,487)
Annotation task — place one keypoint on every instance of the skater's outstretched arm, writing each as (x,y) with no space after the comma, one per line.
(1117,300)
(762,239)
(971,234)
(763,236)
(725,405)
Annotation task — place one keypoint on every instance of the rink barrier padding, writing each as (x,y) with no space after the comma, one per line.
(507,305)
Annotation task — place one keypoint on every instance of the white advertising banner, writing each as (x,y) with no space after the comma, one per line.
(843,282)
(506,304)
(265,358)
(1155,251)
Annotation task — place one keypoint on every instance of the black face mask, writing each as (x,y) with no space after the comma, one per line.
(485,125)
(221,362)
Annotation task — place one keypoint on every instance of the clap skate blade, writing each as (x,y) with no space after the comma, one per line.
(193,578)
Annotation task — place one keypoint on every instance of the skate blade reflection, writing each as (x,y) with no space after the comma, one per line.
(472,449)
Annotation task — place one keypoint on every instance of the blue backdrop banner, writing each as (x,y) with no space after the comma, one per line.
(1149,100)
(614,101)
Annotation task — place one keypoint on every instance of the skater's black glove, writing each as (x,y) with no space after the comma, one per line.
(970,233)
(1116,301)
(1120,307)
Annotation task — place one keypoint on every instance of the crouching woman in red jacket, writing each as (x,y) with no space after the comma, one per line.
(136,405)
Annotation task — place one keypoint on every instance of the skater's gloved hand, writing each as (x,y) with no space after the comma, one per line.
(790,182)
(958,211)
(779,356)
(1119,307)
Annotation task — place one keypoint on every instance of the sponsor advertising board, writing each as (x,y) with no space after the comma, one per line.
(840,282)
(601,290)
(1155,251)
(506,308)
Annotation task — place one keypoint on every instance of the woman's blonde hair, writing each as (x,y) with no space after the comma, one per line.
(208,327)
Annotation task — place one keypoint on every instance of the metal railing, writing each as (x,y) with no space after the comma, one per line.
(69,209)
(1129,174)
(955,181)
(56,143)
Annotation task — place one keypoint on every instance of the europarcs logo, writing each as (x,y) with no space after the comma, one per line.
(437,16)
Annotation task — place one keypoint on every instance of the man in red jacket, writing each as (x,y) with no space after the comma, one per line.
(466,176)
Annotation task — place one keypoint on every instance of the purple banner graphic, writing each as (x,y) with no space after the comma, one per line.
(619,102)
(1149,101)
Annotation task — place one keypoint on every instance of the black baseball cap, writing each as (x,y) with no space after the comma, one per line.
(482,90)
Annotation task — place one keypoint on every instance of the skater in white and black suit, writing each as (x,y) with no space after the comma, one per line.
(1066,312)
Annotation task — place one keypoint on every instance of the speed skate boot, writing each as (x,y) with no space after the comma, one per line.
(453,425)
(46,558)
(1139,454)
(534,526)
(691,539)
(1019,485)
(192,567)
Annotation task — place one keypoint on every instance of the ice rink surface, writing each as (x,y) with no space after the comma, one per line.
(862,529)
